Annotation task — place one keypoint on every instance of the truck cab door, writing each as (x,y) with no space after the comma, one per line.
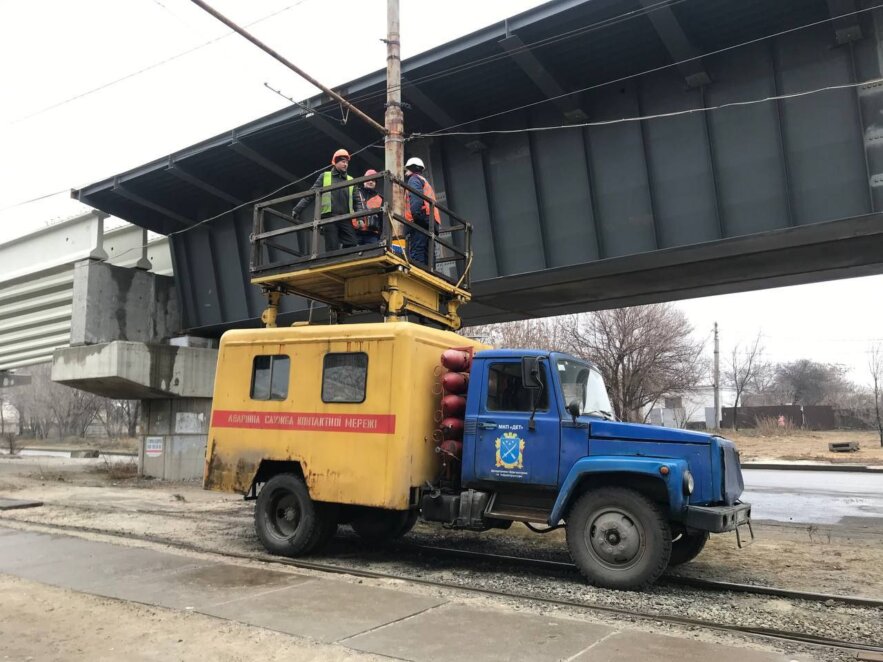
(506,449)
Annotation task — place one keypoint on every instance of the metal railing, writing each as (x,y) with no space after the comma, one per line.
(281,243)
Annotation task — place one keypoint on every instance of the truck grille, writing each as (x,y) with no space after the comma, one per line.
(731,471)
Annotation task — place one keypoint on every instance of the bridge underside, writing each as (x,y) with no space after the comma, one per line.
(721,199)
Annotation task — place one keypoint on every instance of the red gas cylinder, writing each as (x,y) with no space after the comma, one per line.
(452,428)
(453,405)
(455,382)
(456,360)
(452,449)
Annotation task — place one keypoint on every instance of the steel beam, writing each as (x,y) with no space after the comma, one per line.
(123,192)
(846,29)
(178,171)
(256,157)
(677,43)
(343,140)
(545,81)
(436,113)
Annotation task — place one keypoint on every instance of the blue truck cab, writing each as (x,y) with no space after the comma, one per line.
(540,446)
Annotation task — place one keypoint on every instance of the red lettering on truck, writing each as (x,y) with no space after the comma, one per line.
(364,423)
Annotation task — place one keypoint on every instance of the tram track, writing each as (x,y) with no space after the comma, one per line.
(772,634)
(676,580)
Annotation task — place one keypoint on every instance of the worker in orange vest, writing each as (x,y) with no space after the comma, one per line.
(368,228)
(417,212)
(340,201)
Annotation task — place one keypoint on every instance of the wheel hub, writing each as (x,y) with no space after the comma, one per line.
(286,515)
(614,538)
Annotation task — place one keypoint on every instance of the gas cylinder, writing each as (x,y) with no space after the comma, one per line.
(455,382)
(453,405)
(456,360)
(452,428)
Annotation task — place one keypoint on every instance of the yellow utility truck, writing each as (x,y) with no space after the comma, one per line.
(376,423)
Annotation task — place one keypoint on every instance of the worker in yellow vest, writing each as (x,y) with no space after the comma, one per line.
(343,200)
(417,212)
(369,228)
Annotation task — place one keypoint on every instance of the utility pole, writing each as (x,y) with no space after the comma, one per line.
(394,119)
(717,374)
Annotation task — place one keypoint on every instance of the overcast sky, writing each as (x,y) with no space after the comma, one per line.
(54,50)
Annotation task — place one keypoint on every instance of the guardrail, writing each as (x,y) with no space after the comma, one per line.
(295,245)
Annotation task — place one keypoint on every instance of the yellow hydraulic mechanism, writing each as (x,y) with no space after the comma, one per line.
(387,284)
(375,277)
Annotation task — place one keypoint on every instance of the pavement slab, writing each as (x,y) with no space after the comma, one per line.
(325,610)
(632,645)
(491,636)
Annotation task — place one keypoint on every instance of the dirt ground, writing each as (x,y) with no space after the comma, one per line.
(806,445)
(39,622)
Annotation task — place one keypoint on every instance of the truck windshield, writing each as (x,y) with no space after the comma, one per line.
(584,385)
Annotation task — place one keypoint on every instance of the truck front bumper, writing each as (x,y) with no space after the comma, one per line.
(717,519)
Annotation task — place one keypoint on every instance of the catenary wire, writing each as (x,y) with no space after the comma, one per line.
(37,199)
(645,118)
(149,67)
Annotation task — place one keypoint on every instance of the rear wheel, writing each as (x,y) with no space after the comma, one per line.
(618,538)
(686,546)
(287,521)
(377,525)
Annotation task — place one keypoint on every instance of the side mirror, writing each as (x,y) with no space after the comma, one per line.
(530,372)
(573,410)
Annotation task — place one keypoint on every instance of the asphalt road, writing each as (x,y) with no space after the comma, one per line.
(814,497)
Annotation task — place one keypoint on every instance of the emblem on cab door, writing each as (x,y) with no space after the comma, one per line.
(510,451)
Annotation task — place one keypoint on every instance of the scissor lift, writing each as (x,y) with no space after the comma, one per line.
(289,258)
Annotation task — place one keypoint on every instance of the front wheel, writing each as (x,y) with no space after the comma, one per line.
(686,546)
(618,538)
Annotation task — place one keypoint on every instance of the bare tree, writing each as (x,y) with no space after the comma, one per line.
(49,406)
(745,366)
(875,366)
(547,334)
(807,382)
(643,352)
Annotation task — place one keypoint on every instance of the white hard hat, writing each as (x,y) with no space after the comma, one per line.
(414,161)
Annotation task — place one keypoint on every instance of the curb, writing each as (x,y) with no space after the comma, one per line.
(852,468)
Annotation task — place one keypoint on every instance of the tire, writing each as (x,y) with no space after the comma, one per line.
(287,521)
(618,538)
(377,525)
(686,546)
(326,529)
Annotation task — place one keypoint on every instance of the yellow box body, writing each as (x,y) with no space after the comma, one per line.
(370,453)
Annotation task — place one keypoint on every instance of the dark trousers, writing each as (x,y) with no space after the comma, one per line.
(339,235)
(418,243)
(367,238)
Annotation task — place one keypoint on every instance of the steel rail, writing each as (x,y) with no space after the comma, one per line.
(680,580)
(767,633)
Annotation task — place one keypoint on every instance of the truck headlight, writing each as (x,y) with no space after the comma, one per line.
(689,484)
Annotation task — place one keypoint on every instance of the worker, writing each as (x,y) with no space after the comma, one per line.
(417,212)
(368,228)
(343,200)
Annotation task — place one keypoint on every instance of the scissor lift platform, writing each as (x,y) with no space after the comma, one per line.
(376,277)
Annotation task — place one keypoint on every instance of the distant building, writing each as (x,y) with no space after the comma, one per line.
(694,410)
